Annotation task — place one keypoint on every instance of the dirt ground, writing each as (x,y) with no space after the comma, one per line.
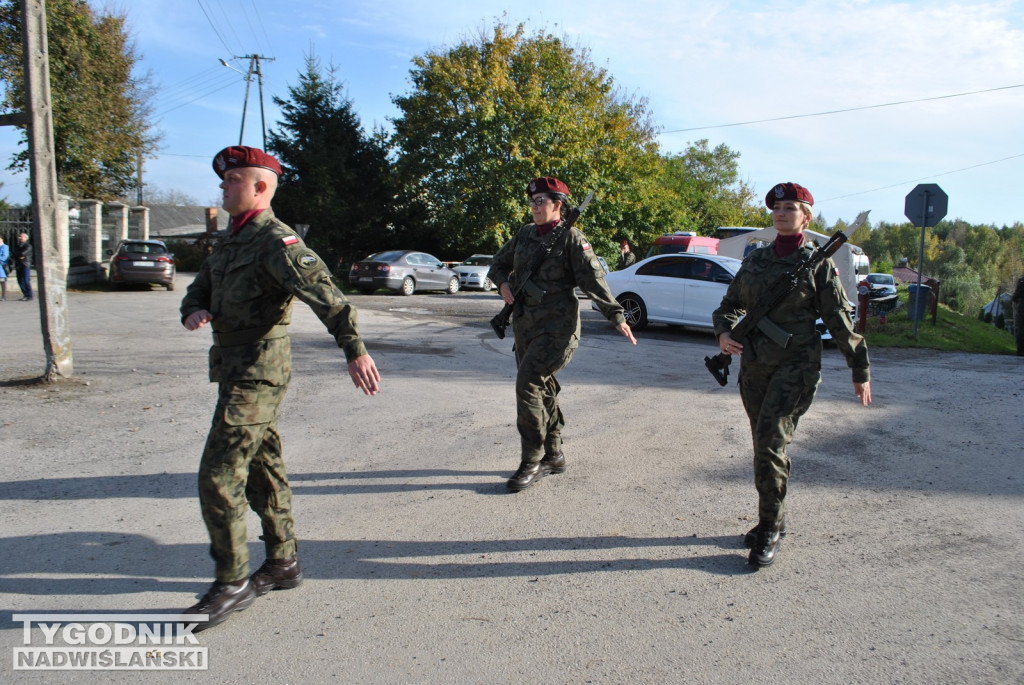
(901,564)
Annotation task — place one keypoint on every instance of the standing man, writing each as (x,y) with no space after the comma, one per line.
(1018,316)
(626,257)
(244,290)
(546,321)
(22,253)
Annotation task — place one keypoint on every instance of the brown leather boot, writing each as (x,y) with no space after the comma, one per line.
(528,472)
(751,537)
(221,600)
(553,463)
(767,543)
(277,574)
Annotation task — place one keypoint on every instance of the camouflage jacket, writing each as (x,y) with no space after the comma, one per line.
(248,283)
(820,295)
(571,264)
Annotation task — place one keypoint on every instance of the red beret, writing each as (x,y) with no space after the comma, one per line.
(547,184)
(241,156)
(788,191)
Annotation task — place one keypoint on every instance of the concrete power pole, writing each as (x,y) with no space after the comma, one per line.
(50,239)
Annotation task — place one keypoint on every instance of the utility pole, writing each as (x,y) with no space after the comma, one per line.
(50,246)
(254,68)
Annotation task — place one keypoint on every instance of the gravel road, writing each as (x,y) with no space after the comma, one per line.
(905,521)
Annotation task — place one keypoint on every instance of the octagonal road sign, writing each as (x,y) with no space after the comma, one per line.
(926,205)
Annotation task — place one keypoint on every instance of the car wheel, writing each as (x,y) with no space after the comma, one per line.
(453,285)
(408,286)
(170,286)
(488,285)
(635,311)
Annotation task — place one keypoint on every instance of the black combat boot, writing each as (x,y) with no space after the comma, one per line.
(221,600)
(277,574)
(766,544)
(553,463)
(528,472)
(751,536)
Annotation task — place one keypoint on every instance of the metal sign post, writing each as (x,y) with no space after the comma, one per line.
(925,206)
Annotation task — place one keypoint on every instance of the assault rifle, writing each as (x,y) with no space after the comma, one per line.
(523,282)
(776,293)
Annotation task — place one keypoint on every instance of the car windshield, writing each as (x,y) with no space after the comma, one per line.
(144,248)
(477,261)
(880,279)
(391,256)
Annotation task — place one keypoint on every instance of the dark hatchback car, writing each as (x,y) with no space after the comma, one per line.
(403,270)
(141,261)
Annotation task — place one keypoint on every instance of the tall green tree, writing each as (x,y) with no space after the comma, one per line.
(486,116)
(336,178)
(707,191)
(100,106)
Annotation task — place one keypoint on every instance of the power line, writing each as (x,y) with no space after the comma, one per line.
(923,178)
(262,26)
(840,111)
(213,26)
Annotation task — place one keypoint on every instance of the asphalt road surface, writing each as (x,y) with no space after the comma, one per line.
(902,564)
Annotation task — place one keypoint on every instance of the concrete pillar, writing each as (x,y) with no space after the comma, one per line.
(140,217)
(118,221)
(91,223)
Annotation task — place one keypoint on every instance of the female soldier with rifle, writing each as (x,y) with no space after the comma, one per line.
(545,261)
(779,375)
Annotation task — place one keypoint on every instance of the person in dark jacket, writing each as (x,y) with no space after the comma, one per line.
(778,384)
(21,252)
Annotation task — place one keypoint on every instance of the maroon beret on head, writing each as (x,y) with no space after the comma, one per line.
(238,156)
(788,191)
(547,184)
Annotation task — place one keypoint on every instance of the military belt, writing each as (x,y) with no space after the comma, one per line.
(249,335)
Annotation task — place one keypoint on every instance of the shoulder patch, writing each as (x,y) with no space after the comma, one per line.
(307,260)
(586,245)
(289,240)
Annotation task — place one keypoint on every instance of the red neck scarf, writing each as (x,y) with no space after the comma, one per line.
(239,222)
(544,229)
(787,244)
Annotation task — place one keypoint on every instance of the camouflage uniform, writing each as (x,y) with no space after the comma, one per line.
(778,384)
(247,284)
(547,330)
(1018,316)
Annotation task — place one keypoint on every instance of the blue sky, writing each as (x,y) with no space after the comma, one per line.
(698,63)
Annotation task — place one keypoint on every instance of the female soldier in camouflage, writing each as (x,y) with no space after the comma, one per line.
(546,321)
(778,384)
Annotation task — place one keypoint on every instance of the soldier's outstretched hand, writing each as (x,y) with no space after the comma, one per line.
(863,391)
(364,374)
(626,331)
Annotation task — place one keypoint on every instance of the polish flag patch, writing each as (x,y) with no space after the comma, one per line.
(289,240)
(586,245)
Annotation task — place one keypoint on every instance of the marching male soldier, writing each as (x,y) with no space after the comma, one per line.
(244,290)
(546,322)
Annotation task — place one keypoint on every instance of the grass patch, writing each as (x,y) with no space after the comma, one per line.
(951,331)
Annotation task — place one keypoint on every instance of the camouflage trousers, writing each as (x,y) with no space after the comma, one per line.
(775,397)
(538,416)
(242,463)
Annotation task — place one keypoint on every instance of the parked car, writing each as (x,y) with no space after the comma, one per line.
(141,261)
(681,288)
(881,285)
(677,289)
(403,270)
(473,272)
